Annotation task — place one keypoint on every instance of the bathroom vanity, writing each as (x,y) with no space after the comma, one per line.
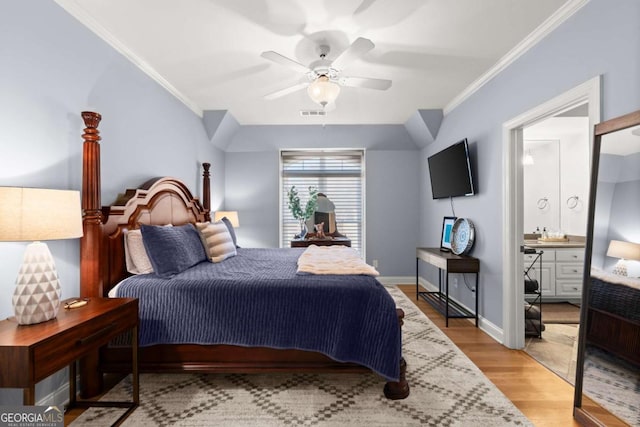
(561,269)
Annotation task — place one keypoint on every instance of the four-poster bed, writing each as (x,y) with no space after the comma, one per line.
(162,201)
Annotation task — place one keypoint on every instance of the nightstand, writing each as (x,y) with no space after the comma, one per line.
(30,353)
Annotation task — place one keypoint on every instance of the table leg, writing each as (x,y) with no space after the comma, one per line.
(29,395)
(417,275)
(134,366)
(477,299)
(73,392)
(446,302)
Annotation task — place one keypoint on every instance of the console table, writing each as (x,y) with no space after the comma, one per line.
(447,262)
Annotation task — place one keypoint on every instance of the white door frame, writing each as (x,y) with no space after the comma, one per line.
(512,199)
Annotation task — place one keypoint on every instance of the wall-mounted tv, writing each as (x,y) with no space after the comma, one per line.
(450,172)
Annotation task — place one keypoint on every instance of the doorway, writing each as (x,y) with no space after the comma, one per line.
(587,94)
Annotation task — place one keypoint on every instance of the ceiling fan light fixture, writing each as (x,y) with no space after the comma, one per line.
(323,91)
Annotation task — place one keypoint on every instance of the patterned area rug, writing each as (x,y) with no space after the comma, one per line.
(447,389)
(613,383)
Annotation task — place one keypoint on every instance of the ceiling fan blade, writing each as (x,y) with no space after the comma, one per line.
(283,60)
(286,91)
(369,83)
(358,48)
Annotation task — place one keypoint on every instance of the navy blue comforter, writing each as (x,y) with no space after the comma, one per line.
(256,299)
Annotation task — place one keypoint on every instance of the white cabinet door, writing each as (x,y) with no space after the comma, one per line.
(546,277)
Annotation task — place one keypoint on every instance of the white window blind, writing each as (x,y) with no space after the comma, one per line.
(337,174)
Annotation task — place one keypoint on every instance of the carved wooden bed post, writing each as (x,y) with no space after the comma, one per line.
(90,243)
(206,190)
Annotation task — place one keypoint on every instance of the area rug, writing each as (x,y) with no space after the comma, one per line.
(447,389)
(613,383)
(560,312)
(556,350)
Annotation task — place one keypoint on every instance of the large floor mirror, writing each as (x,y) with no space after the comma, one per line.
(607,388)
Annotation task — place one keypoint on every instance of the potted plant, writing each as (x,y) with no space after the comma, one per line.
(297,212)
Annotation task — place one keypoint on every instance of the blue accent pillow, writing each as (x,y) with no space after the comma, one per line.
(231,231)
(172,250)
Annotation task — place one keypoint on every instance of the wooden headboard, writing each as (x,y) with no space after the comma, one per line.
(159,201)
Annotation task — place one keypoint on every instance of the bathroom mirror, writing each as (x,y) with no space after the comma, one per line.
(608,359)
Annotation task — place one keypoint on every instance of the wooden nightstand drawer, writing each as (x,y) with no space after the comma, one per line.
(67,346)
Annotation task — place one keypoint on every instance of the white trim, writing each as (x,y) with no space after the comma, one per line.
(75,10)
(396,280)
(512,198)
(491,329)
(58,397)
(543,30)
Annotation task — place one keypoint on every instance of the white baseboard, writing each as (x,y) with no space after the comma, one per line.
(58,397)
(396,280)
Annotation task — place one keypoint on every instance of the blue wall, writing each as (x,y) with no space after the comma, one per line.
(602,38)
(391,194)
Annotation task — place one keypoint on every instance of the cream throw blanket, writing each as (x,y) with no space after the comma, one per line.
(335,259)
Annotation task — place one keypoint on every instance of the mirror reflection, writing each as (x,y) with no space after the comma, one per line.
(611,366)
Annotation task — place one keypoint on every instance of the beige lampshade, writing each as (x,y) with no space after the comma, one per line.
(30,214)
(624,250)
(35,214)
(232,216)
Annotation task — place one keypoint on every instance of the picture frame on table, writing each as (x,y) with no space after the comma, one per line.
(447,233)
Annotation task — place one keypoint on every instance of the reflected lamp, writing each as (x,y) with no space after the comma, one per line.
(36,214)
(624,251)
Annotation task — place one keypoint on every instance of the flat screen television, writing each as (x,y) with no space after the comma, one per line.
(450,172)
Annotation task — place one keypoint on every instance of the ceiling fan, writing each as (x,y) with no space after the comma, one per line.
(325,77)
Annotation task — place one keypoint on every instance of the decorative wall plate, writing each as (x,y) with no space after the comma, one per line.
(463,236)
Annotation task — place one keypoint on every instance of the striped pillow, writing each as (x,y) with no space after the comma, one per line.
(217,240)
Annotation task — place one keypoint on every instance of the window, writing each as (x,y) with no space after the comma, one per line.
(337,174)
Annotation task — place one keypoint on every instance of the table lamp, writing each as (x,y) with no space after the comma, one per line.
(34,214)
(624,251)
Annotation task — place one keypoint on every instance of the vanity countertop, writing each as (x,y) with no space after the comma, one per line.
(568,244)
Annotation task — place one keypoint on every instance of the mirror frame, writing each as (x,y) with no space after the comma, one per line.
(580,413)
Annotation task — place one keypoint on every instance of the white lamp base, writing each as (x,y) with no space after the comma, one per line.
(620,268)
(37,295)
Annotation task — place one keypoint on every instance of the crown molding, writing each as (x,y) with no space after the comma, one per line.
(75,10)
(554,21)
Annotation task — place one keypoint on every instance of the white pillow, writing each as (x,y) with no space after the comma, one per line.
(217,240)
(136,257)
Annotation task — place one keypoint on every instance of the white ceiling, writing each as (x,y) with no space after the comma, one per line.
(207,52)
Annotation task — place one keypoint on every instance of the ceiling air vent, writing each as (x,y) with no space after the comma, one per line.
(312,113)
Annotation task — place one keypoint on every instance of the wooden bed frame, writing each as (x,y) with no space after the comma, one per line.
(102,265)
(615,334)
